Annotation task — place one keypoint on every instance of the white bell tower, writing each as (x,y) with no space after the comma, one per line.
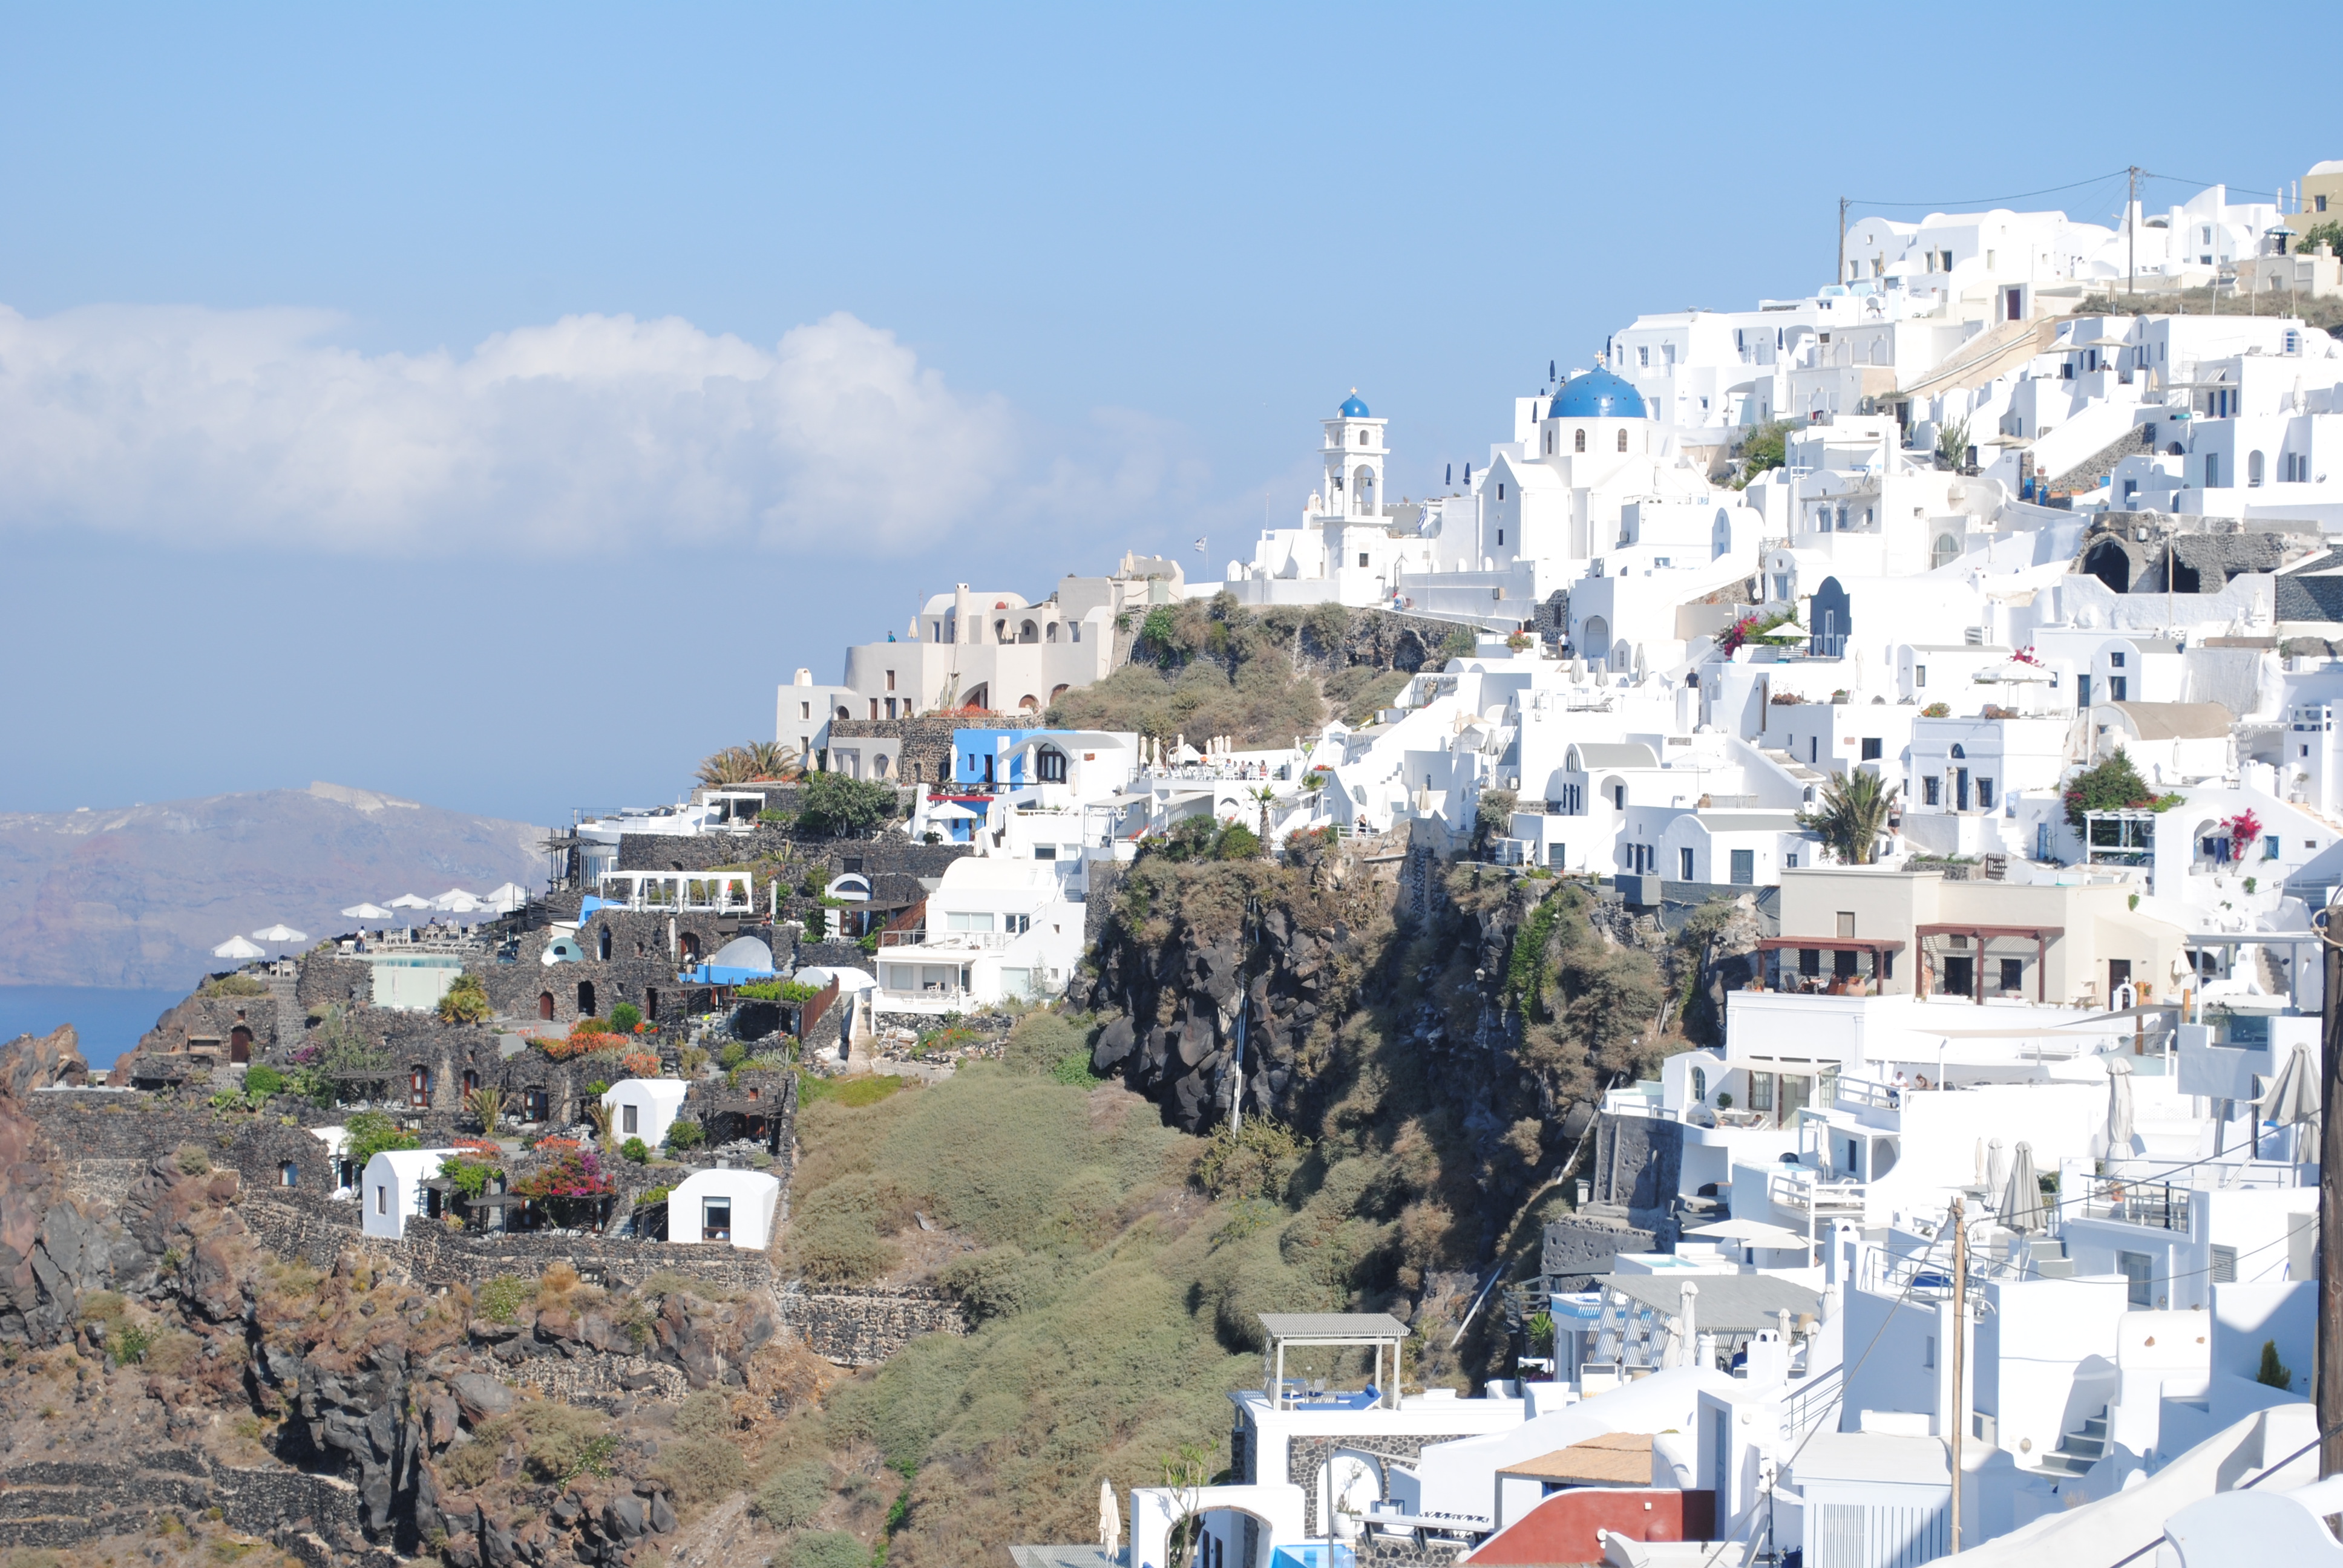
(1354,454)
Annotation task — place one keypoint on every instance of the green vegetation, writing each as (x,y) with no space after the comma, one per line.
(470,1175)
(1203,838)
(2274,1373)
(558,1442)
(685,1132)
(232,985)
(1361,691)
(261,1081)
(625,1017)
(826,1549)
(1203,667)
(2114,785)
(345,1064)
(127,1343)
(1493,818)
(1766,448)
(1852,815)
(1953,443)
(758,761)
(371,1132)
(499,1300)
(840,807)
(635,1150)
(862,1090)
(2323,314)
(794,1496)
(465,1000)
(795,992)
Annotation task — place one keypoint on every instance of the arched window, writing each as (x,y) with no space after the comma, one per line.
(688,947)
(585,998)
(419,1087)
(1549,443)
(1028,632)
(1058,690)
(1699,1084)
(878,766)
(1947,549)
(1049,632)
(1050,765)
(545,1004)
(1362,438)
(1028,703)
(1622,439)
(1581,441)
(602,944)
(2253,469)
(1959,755)
(289,1174)
(471,1081)
(1720,537)
(1364,487)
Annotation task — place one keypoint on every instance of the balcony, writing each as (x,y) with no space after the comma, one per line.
(947,941)
(2153,1205)
(1803,1191)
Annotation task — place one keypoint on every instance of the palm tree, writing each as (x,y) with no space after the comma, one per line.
(487,1104)
(1853,815)
(758,761)
(1264,797)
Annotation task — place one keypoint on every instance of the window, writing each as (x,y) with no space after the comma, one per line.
(1501,492)
(2013,975)
(1582,441)
(1051,765)
(1574,800)
(2270,848)
(418,1087)
(2139,1268)
(1362,438)
(289,1174)
(1790,861)
(1761,1091)
(2212,470)
(1929,1353)
(629,1120)
(2115,661)
(2253,470)
(381,1198)
(1016,925)
(1363,559)
(1500,538)
(1643,356)
(1870,748)
(1683,865)
(715,1218)
(963,920)
(2224,1265)
(805,711)
(1045,852)
(1623,440)
(1619,797)
(1932,789)
(1984,793)
(1847,925)
(1919,675)
(1744,868)
(2118,689)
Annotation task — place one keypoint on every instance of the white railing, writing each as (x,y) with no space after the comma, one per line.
(1869,1093)
(941,996)
(947,941)
(1804,1192)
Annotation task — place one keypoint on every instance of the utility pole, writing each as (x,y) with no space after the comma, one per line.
(1960,1358)
(2131,235)
(2330,1380)
(1841,276)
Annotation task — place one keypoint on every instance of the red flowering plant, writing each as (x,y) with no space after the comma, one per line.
(2242,831)
(571,1184)
(639,1064)
(1736,634)
(2026,656)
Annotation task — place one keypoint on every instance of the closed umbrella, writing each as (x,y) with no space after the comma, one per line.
(1110,1519)
(1996,1167)
(2021,1202)
(2119,1129)
(2292,1099)
(237,948)
(365,912)
(279,933)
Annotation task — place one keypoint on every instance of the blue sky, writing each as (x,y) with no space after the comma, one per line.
(489,405)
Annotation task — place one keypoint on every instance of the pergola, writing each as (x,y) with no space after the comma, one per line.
(1345,1330)
(1882,950)
(2040,936)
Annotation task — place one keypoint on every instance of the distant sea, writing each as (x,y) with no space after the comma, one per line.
(109,1019)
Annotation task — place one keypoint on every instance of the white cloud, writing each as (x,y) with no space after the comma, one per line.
(202,427)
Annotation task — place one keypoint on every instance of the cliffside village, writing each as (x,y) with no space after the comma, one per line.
(1970,623)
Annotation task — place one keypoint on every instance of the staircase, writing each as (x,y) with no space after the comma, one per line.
(1989,354)
(2094,470)
(2078,1450)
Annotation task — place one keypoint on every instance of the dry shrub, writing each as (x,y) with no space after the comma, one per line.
(173,1353)
(795,1496)
(701,1469)
(706,1414)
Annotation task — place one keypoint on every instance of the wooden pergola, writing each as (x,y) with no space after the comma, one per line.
(1882,950)
(2040,936)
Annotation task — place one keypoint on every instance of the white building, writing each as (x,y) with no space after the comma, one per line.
(644,1108)
(391,1191)
(723,1206)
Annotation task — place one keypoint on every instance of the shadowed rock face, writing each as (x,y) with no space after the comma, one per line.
(48,1251)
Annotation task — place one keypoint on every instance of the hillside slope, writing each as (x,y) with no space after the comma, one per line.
(139,896)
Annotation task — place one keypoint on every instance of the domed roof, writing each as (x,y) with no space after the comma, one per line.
(1598,395)
(1352,408)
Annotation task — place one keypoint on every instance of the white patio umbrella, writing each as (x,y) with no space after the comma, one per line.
(410,901)
(365,912)
(2292,1099)
(2021,1202)
(1996,1167)
(281,934)
(507,899)
(2120,1120)
(456,900)
(1110,1518)
(237,948)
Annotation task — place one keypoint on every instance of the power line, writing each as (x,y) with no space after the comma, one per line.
(1985,201)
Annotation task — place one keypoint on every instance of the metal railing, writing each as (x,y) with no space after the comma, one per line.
(1808,1193)
(2155,1205)
(963,941)
(1812,1402)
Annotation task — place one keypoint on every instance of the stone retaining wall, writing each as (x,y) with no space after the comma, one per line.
(59,1505)
(863,1328)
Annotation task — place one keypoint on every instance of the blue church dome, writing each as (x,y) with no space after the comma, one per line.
(1352,408)
(1598,395)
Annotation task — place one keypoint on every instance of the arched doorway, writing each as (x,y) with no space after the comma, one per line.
(1831,624)
(1720,537)
(688,947)
(650,1004)
(2110,563)
(585,998)
(240,1044)
(545,1004)
(1595,640)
